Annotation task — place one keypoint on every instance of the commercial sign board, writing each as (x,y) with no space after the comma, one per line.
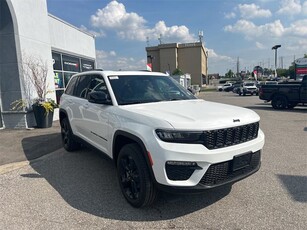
(301,66)
(301,61)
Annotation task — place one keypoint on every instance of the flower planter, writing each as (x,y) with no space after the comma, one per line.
(43,119)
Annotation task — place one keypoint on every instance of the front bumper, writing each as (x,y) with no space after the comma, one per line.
(215,167)
(250,91)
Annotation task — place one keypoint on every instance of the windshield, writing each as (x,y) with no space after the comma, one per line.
(144,89)
(249,84)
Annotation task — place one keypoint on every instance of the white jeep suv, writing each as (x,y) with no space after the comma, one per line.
(159,135)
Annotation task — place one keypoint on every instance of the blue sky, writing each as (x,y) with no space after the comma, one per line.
(231,28)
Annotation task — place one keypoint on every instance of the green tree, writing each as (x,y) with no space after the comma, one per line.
(229,74)
(305,55)
(177,72)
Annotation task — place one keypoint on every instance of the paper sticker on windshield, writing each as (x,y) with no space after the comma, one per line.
(113,78)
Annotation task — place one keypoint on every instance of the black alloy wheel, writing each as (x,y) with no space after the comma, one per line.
(130,177)
(69,143)
(134,179)
(279,102)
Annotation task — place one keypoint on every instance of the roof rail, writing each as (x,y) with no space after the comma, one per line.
(93,70)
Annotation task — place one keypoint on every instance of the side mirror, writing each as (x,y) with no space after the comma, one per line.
(99,97)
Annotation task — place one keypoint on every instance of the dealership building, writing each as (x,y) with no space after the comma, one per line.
(28,30)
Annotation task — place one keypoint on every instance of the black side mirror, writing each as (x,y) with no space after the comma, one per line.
(99,97)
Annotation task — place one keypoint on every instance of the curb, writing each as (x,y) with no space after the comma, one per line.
(12,166)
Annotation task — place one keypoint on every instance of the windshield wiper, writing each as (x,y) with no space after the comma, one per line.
(131,103)
(176,99)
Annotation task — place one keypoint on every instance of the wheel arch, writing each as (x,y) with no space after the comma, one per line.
(277,95)
(122,138)
(62,114)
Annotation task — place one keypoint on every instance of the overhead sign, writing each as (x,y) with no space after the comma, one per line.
(301,66)
(301,61)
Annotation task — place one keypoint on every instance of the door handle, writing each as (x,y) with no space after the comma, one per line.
(85,106)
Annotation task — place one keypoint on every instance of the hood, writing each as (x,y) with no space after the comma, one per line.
(195,114)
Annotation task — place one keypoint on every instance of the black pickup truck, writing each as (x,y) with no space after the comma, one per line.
(286,94)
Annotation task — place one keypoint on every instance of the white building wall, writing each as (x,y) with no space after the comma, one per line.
(36,34)
(32,33)
(65,37)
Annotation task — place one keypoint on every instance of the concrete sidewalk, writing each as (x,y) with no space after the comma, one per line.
(28,144)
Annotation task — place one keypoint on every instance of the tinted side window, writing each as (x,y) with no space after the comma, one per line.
(71,86)
(83,83)
(97,84)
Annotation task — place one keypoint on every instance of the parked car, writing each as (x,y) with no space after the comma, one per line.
(158,134)
(235,87)
(249,88)
(224,87)
(285,95)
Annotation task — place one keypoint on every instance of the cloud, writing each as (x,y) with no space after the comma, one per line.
(298,45)
(290,7)
(298,28)
(304,8)
(114,17)
(249,11)
(250,30)
(213,55)
(95,33)
(101,54)
(218,63)
(259,45)
(230,15)
(108,60)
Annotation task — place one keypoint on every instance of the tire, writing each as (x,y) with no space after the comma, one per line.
(279,102)
(68,141)
(133,176)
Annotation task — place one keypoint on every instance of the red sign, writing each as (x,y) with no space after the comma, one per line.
(301,71)
(149,66)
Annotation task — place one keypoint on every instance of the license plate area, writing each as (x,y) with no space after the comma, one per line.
(241,161)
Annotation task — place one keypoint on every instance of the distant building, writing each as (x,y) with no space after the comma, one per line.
(191,58)
(26,29)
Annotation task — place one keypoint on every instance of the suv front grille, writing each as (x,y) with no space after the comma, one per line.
(221,173)
(220,138)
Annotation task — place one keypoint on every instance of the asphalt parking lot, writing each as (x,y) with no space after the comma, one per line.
(79,190)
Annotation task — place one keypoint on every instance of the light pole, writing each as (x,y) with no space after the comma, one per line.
(275,48)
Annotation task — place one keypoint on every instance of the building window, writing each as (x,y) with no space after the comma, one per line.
(87,65)
(65,66)
(56,61)
(71,63)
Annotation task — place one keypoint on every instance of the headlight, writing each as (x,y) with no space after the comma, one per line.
(180,136)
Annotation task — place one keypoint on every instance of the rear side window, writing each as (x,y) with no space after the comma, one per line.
(71,86)
(83,83)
